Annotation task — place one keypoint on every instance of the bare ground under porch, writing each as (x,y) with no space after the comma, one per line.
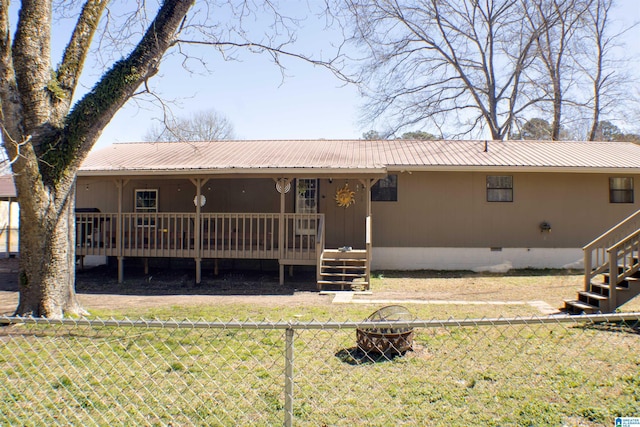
(170,276)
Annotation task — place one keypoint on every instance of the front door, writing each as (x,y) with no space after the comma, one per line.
(306,203)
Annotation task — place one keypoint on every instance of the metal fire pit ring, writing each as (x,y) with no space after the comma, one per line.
(386,340)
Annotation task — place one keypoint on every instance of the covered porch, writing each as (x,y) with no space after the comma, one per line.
(157,225)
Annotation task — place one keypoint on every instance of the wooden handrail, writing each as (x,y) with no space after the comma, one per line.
(631,222)
(596,257)
(623,262)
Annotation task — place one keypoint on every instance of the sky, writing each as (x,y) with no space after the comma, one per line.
(309,103)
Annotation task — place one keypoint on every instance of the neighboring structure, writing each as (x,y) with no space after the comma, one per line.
(349,206)
(9,217)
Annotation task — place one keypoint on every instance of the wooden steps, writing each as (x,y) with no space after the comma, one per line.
(344,269)
(616,249)
(579,307)
(596,298)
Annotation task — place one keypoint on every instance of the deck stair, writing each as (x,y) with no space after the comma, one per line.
(596,300)
(616,251)
(346,269)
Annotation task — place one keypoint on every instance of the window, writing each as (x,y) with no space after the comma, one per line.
(621,190)
(499,188)
(146,203)
(385,190)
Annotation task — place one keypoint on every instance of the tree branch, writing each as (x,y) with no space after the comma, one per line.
(8,87)
(75,54)
(276,52)
(32,64)
(94,111)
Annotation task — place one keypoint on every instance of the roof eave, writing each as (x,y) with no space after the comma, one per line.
(319,171)
(512,168)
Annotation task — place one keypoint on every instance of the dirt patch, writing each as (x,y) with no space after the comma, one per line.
(98,288)
(169,285)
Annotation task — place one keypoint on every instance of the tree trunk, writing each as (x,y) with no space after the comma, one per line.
(47,140)
(47,263)
(557,112)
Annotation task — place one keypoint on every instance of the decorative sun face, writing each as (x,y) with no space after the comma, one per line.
(345,197)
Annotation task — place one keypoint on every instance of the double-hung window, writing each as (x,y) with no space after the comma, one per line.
(499,188)
(621,190)
(146,203)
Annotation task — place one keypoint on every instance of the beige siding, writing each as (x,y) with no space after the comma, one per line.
(176,195)
(344,226)
(434,209)
(449,209)
(97,193)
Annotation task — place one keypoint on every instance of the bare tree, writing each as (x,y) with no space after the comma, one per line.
(428,60)
(554,48)
(605,73)
(207,125)
(486,66)
(47,134)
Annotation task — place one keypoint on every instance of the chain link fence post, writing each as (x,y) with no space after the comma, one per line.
(288,378)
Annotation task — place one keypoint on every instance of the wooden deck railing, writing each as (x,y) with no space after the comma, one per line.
(220,235)
(239,235)
(596,253)
(623,262)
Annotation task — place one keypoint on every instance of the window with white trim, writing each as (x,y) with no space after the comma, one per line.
(146,202)
(306,203)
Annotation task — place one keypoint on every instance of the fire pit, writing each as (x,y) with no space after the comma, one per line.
(386,340)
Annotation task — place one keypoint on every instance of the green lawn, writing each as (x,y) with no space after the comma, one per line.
(558,374)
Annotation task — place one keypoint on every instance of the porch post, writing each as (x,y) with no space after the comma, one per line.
(198,183)
(368,183)
(119,232)
(9,230)
(281,250)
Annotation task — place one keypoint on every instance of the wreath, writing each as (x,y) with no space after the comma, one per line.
(345,197)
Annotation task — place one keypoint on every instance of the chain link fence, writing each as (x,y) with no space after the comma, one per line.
(580,371)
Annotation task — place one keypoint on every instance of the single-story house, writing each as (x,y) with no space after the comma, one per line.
(349,206)
(9,217)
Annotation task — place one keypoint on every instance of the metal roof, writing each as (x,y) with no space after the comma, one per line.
(360,156)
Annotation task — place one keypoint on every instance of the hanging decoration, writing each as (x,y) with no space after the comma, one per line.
(302,186)
(201,201)
(286,188)
(345,197)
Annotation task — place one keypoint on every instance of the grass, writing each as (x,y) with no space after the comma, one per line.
(558,374)
(550,286)
(515,375)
